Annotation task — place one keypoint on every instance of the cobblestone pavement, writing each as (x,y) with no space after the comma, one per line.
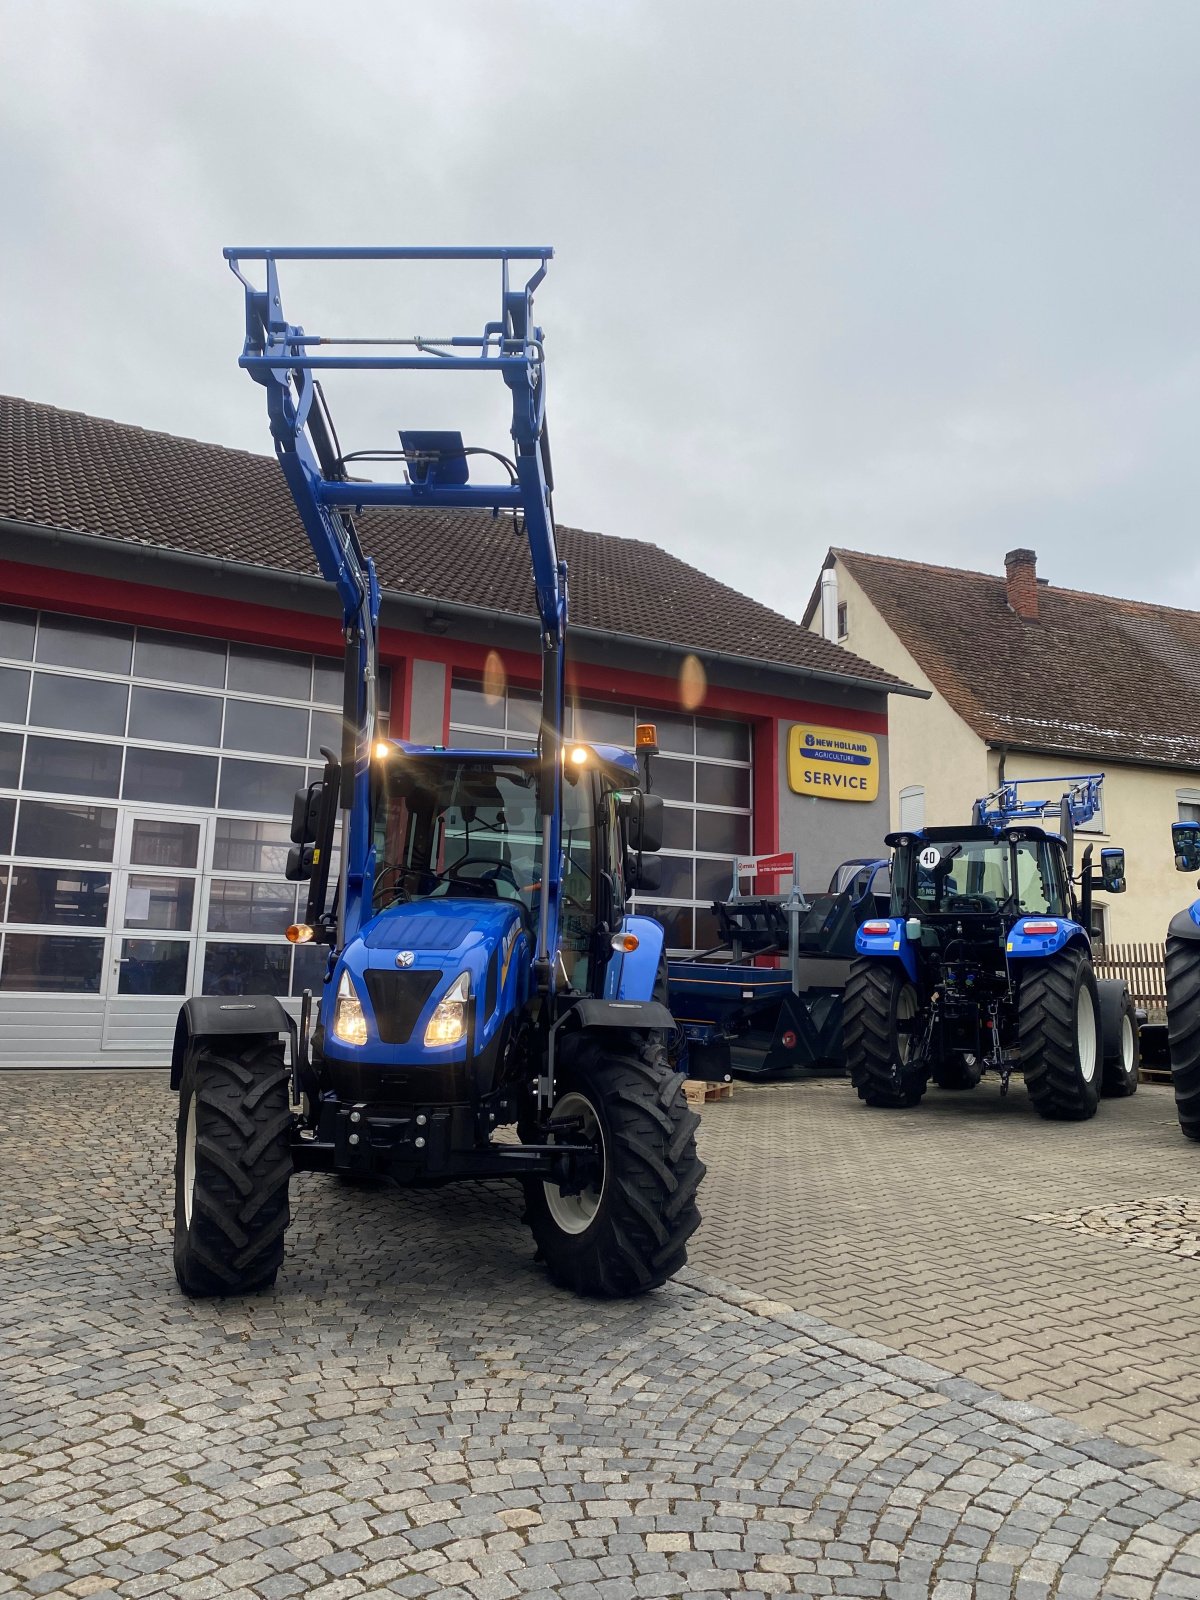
(414,1411)
(1050,1261)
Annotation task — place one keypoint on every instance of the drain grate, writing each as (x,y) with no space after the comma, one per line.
(1171,1224)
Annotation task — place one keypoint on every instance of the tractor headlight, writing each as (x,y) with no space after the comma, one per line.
(448,1024)
(349,1020)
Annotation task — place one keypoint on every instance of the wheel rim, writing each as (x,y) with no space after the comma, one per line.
(575,1213)
(1085,1034)
(1127,1045)
(189,1161)
(906,1011)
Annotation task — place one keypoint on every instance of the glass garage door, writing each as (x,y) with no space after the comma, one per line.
(703,773)
(146,780)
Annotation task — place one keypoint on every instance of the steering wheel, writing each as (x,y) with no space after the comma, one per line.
(497,872)
(971,902)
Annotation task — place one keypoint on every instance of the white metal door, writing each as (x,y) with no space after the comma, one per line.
(152,948)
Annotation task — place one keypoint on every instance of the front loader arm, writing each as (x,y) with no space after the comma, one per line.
(285,360)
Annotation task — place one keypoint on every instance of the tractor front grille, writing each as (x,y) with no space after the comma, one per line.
(397,999)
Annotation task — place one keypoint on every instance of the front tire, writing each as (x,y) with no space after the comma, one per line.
(1183,1028)
(880,1013)
(957,1071)
(627,1232)
(233,1163)
(1059,1036)
(1119,1035)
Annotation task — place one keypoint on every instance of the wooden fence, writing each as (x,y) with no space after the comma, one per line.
(1141,966)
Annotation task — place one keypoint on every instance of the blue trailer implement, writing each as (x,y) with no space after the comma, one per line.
(739,1015)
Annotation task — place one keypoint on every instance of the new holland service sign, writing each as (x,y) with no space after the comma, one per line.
(832,763)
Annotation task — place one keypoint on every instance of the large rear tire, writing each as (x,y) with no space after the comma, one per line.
(1059,1035)
(1183,1027)
(627,1232)
(880,1012)
(233,1163)
(1119,1037)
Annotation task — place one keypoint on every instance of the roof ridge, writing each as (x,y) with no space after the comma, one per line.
(921,566)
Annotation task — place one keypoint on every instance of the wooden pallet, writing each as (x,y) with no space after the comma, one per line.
(699,1092)
(1154,1074)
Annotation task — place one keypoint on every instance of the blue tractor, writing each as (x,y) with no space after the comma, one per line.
(984,962)
(482,969)
(1183,987)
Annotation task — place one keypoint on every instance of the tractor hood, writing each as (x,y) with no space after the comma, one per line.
(445,926)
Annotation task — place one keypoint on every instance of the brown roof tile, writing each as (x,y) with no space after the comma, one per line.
(64,469)
(1094,676)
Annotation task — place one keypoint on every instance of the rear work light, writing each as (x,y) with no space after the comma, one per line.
(1040,927)
(877,927)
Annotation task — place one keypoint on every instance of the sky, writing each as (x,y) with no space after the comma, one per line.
(916,277)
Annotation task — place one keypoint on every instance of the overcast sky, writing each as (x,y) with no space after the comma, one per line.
(918,277)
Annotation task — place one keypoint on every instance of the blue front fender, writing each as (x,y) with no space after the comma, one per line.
(632,974)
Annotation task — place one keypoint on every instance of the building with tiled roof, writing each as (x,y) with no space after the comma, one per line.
(169,673)
(1028,679)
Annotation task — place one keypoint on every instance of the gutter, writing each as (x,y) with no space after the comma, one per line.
(101,543)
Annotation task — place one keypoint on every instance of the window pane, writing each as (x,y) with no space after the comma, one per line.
(80,642)
(168,777)
(266,729)
(676,877)
(327,731)
(243,846)
(679,826)
(327,681)
(52,963)
(722,786)
(524,711)
(153,966)
(273,672)
(65,766)
(59,896)
(10,759)
(308,971)
(601,724)
(708,930)
(16,633)
(721,831)
(469,704)
(676,734)
(164,844)
(179,658)
(88,705)
(236,905)
(672,779)
(246,968)
(468,739)
(159,902)
(69,833)
(175,718)
(714,879)
(728,741)
(14,694)
(676,920)
(8,810)
(258,786)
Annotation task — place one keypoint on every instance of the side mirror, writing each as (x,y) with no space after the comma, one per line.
(648,879)
(645,826)
(1185,837)
(299,868)
(1112,871)
(306,813)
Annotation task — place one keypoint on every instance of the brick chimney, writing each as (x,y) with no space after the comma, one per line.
(1020,572)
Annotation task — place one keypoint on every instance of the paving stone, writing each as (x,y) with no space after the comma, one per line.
(415,1411)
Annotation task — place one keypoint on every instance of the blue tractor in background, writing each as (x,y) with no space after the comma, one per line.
(1183,987)
(984,962)
(482,969)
